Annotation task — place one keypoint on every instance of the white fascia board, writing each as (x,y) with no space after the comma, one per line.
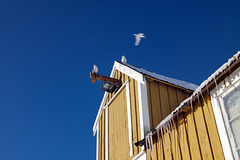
(129,71)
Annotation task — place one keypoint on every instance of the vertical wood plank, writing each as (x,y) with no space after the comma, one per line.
(155,148)
(148,153)
(172,97)
(183,139)
(160,146)
(150,104)
(155,104)
(202,132)
(137,112)
(118,128)
(192,136)
(110,133)
(212,128)
(100,140)
(164,100)
(180,96)
(134,114)
(175,142)
(167,145)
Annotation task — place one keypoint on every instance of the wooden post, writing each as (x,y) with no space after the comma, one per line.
(95,76)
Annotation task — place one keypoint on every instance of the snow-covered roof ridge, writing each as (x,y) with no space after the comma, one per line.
(173,81)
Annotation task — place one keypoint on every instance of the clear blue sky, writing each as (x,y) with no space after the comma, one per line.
(47,48)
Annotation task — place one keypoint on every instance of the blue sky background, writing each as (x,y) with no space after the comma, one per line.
(47,48)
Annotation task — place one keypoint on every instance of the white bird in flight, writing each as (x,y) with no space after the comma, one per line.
(95,69)
(138,38)
(124,60)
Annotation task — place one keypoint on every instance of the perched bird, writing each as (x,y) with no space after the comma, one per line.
(95,69)
(124,60)
(138,38)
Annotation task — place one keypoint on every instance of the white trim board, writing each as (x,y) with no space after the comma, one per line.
(129,120)
(143,110)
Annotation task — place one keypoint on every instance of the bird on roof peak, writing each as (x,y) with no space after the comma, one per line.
(95,69)
(124,60)
(138,38)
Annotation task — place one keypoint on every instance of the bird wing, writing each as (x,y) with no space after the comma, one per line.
(137,41)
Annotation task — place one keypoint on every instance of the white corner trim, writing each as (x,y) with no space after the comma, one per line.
(106,134)
(129,120)
(218,109)
(140,156)
(143,109)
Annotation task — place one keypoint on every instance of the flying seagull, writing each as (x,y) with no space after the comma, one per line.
(95,69)
(124,60)
(138,38)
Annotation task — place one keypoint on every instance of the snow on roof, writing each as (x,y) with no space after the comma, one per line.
(173,81)
(203,85)
(198,91)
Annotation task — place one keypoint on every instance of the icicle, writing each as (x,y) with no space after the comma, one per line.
(158,135)
(147,141)
(207,90)
(229,69)
(152,153)
(150,144)
(161,129)
(215,82)
(165,133)
(169,134)
(191,104)
(198,97)
(163,141)
(205,102)
(178,141)
(173,139)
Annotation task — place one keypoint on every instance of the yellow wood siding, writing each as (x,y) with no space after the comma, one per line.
(162,100)
(101,149)
(118,136)
(118,128)
(193,135)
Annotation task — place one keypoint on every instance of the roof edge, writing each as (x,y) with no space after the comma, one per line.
(232,62)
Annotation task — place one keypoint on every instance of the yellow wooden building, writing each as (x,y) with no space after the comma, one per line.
(151,116)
